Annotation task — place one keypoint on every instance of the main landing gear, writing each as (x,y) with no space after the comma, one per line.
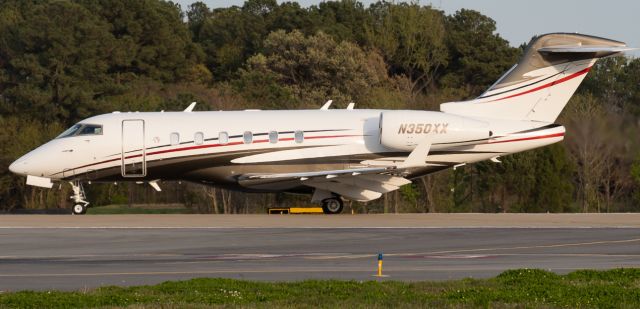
(79,198)
(332,205)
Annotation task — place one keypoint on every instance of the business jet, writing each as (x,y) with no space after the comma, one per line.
(332,154)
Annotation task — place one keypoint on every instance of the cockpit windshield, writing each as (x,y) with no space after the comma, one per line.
(82,129)
(91,129)
(70,131)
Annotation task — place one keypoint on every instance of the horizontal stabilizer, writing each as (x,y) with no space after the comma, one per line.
(585,49)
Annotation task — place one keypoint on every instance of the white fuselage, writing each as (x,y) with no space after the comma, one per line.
(143,146)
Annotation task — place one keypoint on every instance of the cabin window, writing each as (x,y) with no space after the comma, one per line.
(298,136)
(223,138)
(247,137)
(273,137)
(174,138)
(91,129)
(198,138)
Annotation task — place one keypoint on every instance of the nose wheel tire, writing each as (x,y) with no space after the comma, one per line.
(79,198)
(79,209)
(332,206)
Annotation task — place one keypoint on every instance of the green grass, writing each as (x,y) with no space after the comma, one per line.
(619,288)
(124,209)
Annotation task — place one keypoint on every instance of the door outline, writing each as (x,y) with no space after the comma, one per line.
(123,162)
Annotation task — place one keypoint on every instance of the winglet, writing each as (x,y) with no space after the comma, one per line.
(418,156)
(326,105)
(189,109)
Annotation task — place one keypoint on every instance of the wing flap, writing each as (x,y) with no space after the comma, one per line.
(351,192)
(371,185)
(320,173)
(387,179)
(360,184)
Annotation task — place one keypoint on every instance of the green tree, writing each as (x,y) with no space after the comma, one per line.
(613,81)
(151,39)
(231,35)
(290,16)
(197,14)
(411,39)
(478,56)
(57,61)
(315,68)
(345,20)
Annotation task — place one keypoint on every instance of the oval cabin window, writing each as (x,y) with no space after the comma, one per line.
(174,138)
(223,138)
(299,136)
(273,137)
(247,137)
(198,138)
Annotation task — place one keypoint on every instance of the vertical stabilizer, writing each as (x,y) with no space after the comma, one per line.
(539,86)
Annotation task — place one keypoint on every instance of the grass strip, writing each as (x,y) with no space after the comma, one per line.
(617,288)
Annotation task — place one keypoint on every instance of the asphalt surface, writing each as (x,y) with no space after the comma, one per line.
(72,257)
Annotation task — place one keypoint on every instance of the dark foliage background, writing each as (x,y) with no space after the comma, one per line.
(62,61)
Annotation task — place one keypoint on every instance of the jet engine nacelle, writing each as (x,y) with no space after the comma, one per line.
(403,130)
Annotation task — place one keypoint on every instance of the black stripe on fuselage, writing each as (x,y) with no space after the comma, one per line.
(469,141)
(184,164)
(230,137)
(549,126)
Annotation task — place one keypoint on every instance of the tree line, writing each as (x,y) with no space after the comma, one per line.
(62,61)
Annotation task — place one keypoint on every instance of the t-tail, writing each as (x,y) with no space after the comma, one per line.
(539,86)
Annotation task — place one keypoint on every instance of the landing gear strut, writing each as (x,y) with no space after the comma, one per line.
(332,205)
(78,197)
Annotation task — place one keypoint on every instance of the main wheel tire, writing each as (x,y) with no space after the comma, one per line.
(79,209)
(332,206)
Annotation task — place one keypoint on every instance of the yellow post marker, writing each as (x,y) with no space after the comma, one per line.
(379,265)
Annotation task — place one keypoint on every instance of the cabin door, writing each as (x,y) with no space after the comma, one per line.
(134,154)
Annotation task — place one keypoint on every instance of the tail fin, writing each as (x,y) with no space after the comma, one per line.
(542,82)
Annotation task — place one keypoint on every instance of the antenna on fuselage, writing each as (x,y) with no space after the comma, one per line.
(351,106)
(189,109)
(326,105)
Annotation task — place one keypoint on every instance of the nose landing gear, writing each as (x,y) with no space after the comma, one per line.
(78,197)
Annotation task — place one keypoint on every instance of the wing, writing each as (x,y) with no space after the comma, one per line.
(359,184)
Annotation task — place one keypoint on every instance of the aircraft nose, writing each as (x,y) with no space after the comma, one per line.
(18,166)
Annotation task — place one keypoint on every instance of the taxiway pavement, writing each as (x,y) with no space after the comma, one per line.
(78,252)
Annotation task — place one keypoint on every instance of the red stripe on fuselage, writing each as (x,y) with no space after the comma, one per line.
(529,138)
(233,144)
(562,80)
(206,146)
